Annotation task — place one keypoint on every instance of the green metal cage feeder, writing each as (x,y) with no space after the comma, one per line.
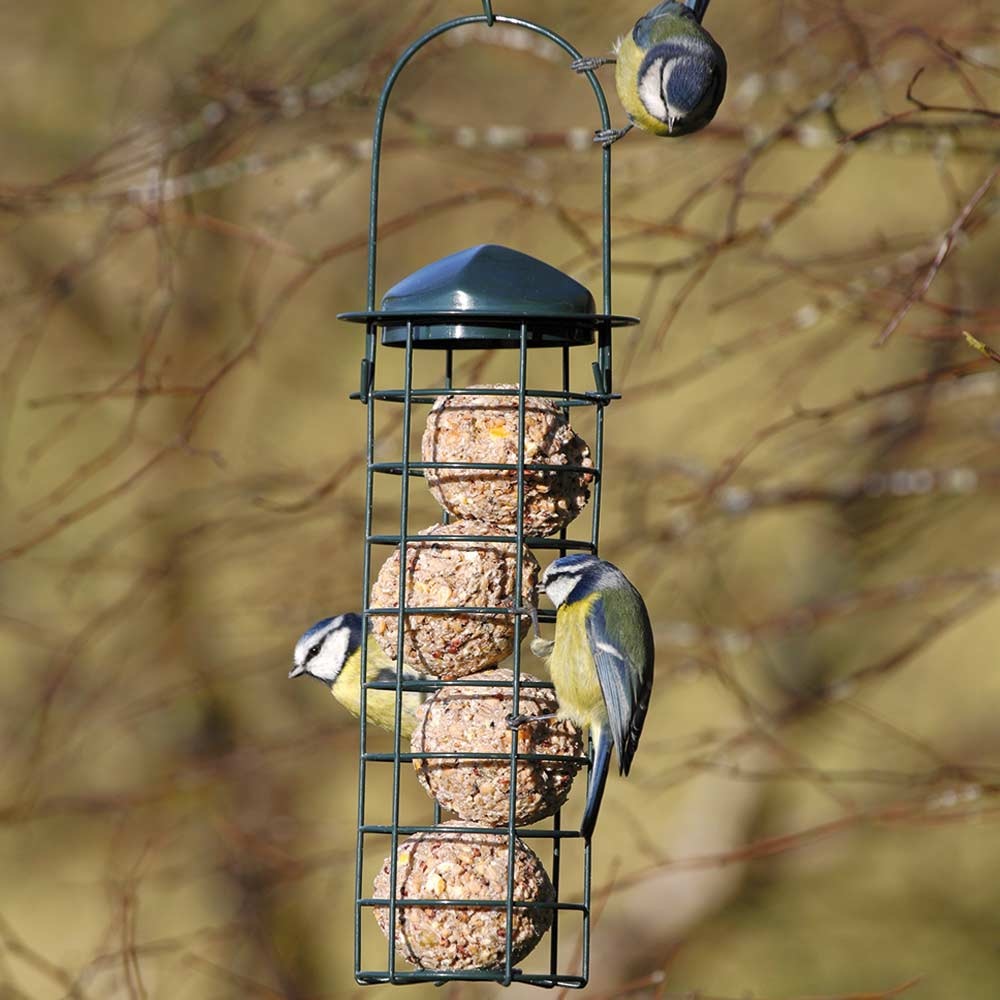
(484,298)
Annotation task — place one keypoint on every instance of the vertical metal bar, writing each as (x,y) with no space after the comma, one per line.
(606,228)
(522,382)
(404,515)
(488,11)
(565,378)
(595,525)
(554,933)
(604,333)
(449,372)
(564,530)
(604,363)
(370,347)
(585,950)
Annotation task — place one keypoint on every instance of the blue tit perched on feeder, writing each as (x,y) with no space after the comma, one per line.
(670,73)
(330,651)
(601,662)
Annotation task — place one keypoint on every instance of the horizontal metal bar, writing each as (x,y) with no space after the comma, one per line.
(460,609)
(396,467)
(503,392)
(396,396)
(435,539)
(526,833)
(474,756)
(371,978)
(531,541)
(486,904)
(564,397)
(433,684)
(463,610)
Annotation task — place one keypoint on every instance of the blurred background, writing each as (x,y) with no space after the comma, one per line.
(802,478)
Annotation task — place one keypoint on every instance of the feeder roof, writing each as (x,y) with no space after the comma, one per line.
(489,278)
(480,297)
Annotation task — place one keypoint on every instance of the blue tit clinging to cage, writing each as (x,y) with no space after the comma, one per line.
(330,651)
(601,662)
(670,73)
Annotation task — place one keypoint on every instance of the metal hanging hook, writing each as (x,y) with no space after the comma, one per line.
(488,11)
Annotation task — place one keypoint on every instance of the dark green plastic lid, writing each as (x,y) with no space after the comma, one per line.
(481,297)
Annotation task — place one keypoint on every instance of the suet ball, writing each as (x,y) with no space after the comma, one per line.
(486,429)
(445,864)
(452,574)
(474,720)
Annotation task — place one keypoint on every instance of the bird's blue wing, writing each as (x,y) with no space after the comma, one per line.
(621,641)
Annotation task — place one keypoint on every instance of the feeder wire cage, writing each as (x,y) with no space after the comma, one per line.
(484,326)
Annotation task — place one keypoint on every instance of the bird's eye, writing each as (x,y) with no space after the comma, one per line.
(313,651)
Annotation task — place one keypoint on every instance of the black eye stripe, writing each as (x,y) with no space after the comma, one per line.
(313,651)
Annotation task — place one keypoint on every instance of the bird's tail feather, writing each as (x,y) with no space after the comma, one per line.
(698,6)
(598,778)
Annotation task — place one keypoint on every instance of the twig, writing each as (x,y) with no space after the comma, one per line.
(947,242)
(983,349)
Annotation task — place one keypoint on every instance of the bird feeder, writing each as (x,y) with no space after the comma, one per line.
(465,894)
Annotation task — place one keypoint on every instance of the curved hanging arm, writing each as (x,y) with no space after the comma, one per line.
(486,18)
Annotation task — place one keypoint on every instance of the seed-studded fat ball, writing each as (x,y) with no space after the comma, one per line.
(485,429)
(453,574)
(474,720)
(445,864)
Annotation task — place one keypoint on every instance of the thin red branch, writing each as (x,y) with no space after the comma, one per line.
(920,287)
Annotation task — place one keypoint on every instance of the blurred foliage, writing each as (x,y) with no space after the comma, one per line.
(812,518)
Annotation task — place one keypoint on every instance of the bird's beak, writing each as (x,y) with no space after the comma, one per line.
(296,671)
(672,121)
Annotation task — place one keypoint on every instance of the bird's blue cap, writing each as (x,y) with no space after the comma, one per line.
(573,559)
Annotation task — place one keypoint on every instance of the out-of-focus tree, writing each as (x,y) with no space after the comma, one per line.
(802,477)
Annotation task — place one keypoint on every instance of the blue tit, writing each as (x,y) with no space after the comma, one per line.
(330,651)
(670,73)
(601,662)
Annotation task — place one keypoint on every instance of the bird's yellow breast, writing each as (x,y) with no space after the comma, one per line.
(381,704)
(629,62)
(572,667)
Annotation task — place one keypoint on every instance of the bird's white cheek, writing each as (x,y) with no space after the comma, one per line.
(652,85)
(560,588)
(330,661)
